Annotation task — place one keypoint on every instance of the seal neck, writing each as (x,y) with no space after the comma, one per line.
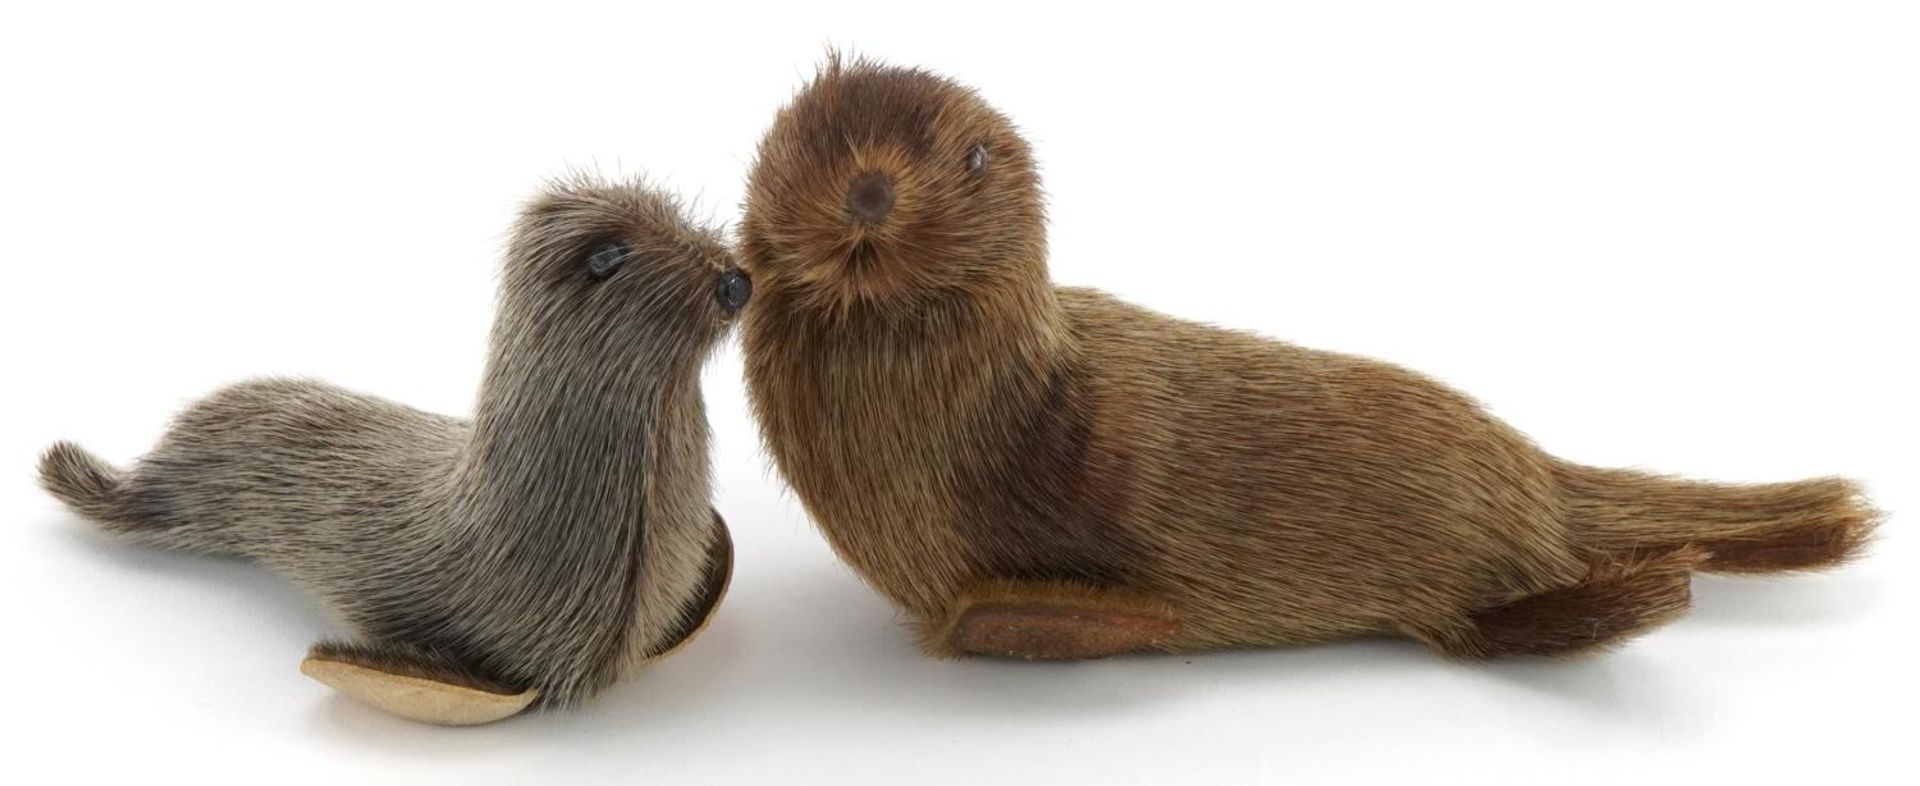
(989,320)
(556,431)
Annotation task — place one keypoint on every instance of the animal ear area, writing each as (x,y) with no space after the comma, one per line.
(414,685)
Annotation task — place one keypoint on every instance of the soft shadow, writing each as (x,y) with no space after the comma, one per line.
(1616,687)
(850,649)
(1759,601)
(353,723)
(284,611)
(809,640)
(821,641)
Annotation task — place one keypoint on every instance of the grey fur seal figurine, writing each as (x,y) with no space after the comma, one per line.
(528,557)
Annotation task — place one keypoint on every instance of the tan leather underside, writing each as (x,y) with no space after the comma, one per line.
(417,699)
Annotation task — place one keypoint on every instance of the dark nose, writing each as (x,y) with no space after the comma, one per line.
(870,197)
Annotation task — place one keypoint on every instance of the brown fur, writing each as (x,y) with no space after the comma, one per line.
(953,421)
(560,537)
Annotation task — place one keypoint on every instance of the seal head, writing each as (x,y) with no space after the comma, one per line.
(880,183)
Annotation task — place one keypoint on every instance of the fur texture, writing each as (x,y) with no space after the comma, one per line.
(560,537)
(956,423)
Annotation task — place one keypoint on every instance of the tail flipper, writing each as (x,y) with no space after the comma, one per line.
(82,480)
(1765,528)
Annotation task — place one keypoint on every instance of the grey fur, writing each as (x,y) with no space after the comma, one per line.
(557,539)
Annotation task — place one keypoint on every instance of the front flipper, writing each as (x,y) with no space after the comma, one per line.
(1054,621)
(713,590)
(412,685)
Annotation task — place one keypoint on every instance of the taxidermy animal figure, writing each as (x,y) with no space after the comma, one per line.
(1047,472)
(530,556)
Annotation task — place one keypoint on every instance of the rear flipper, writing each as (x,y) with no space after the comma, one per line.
(1616,601)
(413,684)
(85,482)
(1052,621)
(126,503)
(1764,528)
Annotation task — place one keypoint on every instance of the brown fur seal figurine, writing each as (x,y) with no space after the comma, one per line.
(530,556)
(1047,472)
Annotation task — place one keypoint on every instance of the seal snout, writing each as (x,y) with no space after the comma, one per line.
(870,197)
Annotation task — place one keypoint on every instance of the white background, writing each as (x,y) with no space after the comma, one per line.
(1676,235)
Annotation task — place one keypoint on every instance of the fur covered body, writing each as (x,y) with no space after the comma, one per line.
(966,433)
(557,539)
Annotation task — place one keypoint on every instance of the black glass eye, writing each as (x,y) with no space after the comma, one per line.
(604,260)
(977,159)
(735,289)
